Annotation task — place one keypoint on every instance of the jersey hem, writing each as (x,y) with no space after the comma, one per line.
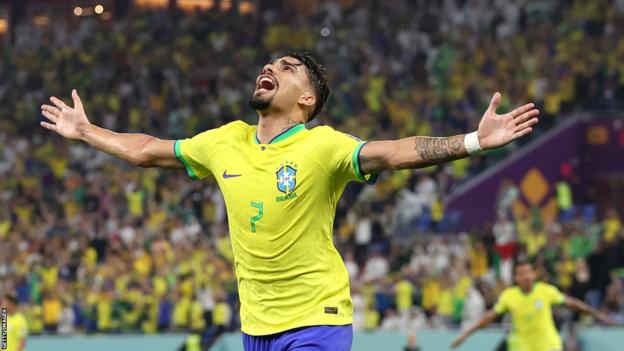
(265,332)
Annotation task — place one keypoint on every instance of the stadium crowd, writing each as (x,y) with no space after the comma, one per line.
(91,245)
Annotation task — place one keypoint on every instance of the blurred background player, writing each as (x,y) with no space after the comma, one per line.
(17,326)
(530,305)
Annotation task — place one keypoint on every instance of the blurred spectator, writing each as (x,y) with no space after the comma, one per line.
(612,226)
(51,311)
(376,267)
(474,305)
(613,303)
(505,235)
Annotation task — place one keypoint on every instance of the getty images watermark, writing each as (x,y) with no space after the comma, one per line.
(4,328)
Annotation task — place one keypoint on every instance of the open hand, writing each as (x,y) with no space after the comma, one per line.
(65,120)
(604,318)
(457,342)
(498,130)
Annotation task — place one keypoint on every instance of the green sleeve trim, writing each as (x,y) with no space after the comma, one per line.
(499,310)
(355,158)
(562,298)
(178,153)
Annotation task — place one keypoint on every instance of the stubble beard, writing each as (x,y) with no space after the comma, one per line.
(259,103)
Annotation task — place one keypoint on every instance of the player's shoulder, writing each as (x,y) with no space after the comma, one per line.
(22,318)
(229,131)
(511,292)
(18,319)
(238,126)
(321,130)
(325,131)
(542,287)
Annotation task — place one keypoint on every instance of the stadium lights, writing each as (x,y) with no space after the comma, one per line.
(41,20)
(89,11)
(152,3)
(191,5)
(226,5)
(245,7)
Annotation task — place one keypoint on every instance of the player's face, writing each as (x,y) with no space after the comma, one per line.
(525,276)
(4,302)
(281,86)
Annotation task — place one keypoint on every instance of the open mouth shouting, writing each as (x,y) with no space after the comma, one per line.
(265,84)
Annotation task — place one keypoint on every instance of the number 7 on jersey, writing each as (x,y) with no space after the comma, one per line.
(254,219)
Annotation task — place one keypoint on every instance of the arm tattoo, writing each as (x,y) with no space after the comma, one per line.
(400,154)
(370,165)
(436,150)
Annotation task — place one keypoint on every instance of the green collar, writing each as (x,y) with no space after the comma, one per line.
(284,135)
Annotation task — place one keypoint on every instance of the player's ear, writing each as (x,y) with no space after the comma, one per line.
(307,99)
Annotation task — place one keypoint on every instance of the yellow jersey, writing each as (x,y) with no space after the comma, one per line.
(17,331)
(281,199)
(404,292)
(531,316)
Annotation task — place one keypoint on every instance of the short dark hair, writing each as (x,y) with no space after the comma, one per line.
(522,262)
(11,297)
(317,74)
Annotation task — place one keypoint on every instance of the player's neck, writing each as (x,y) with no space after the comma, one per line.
(270,126)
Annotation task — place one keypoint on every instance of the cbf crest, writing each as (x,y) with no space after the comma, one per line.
(286,177)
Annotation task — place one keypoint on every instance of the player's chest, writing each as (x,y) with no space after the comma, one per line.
(529,309)
(265,172)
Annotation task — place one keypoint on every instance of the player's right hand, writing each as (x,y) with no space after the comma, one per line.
(457,342)
(66,121)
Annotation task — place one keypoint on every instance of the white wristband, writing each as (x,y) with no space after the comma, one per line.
(471,141)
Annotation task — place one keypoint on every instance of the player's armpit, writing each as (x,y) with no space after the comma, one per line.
(412,152)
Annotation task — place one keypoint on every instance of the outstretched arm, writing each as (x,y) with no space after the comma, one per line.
(138,149)
(577,304)
(487,318)
(419,151)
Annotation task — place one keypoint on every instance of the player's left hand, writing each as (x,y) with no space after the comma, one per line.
(498,130)
(604,318)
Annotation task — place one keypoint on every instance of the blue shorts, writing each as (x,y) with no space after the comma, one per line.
(314,338)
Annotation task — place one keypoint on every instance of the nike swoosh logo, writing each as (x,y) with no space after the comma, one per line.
(226,176)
